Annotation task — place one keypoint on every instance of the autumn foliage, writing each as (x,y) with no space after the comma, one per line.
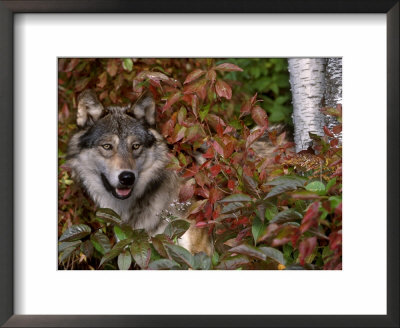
(265,209)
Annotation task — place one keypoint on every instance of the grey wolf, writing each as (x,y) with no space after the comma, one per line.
(120,159)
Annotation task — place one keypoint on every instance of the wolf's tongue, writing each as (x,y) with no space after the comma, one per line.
(123,192)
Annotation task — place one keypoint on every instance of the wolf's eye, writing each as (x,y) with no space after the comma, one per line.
(135,146)
(107,146)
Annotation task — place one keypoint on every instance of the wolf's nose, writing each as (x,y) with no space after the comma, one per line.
(126,178)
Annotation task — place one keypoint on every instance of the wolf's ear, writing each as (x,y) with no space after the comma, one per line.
(145,109)
(89,108)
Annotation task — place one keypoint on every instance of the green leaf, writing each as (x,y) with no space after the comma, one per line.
(100,242)
(286,216)
(270,211)
(300,205)
(286,179)
(127,64)
(233,262)
(124,260)
(123,232)
(316,186)
(66,253)
(164,264)
(140,248)
(180,254)
(154,254)
(109,215)
(236,198)
(232,207)
(115,251)
(87,248)
(75,232)
(285,183)
(158,243)
(62,246)
(287,252)
(273,253)
(257,228)
(335,201)
(203,113)
(215,258)
(330,184)
(202,261)
(177,228)
(248,250)
(277,190)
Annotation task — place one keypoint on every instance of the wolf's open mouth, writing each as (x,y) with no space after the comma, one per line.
(123,192)
(120,193)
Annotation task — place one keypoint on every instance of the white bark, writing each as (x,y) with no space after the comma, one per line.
(307,80)
(333,88)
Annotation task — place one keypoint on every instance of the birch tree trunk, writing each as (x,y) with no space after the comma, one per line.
(333,88)
(307,80)
(315,83)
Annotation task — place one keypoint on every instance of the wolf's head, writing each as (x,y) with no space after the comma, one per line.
(117,152)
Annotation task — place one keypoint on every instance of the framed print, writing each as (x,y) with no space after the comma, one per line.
(48,46)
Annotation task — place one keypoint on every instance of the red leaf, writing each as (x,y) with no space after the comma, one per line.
(228,67)
(228,129)
(334,142)
(231,184)
(214,196)
(253,99)
(223,89)
(335,239)
(112,67)
(218,148)
(193,133)
(214,120)
(201,179)
(81,84)
(168,127)
(197,206)
(72,64)
(65,111)
(310,217)
(259,116)
(172,99)
(209,153)
(194,75)
(228,150)
(254,136)
(195,87)
(215,170)
(187,190)
(137,87)
(179,133)
(102,80)
(155,76)
(211,76)
(245,109)
(306,247)
(338,209)
(220,129)
(208,209)
(328,132)
(337,129)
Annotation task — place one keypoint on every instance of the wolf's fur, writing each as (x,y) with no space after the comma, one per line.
(98,170)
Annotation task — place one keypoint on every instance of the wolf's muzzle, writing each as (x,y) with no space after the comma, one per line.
(125,189)
(126,178)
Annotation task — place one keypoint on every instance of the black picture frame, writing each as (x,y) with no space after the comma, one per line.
(7,11)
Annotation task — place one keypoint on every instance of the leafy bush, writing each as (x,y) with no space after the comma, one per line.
(269,78)
(275,211)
